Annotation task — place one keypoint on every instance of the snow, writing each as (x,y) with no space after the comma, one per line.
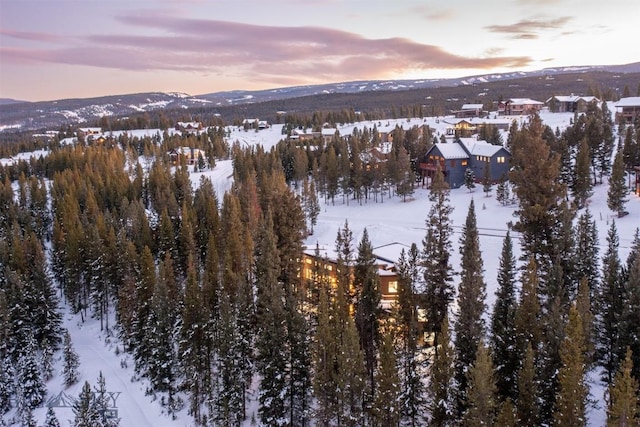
(392,226)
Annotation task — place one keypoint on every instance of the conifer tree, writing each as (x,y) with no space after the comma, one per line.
(435,255)
(481,396)
(507,416)
(535,176)
(527,321)
(101,400)
(158,362)
(527,402)
(469,179)
(581,186)
(6,389)
(586,251)
(571,402)
(503,326)
(630,316)
(407,318)
(583,304)
(617,194)
(622,405)
(469,326)
(610,306)
(486,179)
(84,409)
(387,405)
(440,393)
(271,337)
(70,359)
(31,389)
(312,205)
(51,420)
(366,283)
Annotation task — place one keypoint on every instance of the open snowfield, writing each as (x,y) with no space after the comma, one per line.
(392,225)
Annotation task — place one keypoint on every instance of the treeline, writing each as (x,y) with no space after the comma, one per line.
(208,296)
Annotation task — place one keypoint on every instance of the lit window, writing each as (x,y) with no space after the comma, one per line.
(500,159)
(393,287)
(464,163)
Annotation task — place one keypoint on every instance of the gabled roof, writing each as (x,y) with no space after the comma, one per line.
(633,101)
(523,101)
(479,147)
(573,98)
(451,151)
(472,107)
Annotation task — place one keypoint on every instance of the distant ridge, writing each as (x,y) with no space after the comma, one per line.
(16,116)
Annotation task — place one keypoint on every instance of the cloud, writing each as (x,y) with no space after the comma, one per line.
(31,36)
(529,28)
(258,52)
(433,14)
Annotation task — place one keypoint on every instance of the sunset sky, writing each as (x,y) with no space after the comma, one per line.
(54,49)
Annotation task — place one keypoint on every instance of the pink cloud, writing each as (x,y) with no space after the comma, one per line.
(256,52)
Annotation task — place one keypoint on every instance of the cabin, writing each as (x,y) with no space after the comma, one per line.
(637,169)
(190,155)
(519,107)
(628,109)
(570,104)
(469,110)
(188,127)
(455,158)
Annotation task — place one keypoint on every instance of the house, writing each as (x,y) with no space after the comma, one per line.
(637,169)
(455,158)
(570,104)
(190,155)
(460,127)
(628,109)
(519,107)
(469,110)
(188,127)
(86,132)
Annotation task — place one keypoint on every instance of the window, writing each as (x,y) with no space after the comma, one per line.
(501,159)
(453,163)
(463,163)
(393,287)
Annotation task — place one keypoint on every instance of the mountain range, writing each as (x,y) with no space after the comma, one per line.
(28,116)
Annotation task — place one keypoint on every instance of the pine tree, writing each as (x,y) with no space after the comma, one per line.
(436,253)
(527,319)
(503,326)
(610,306)
(407,319)
(312,205)
(102,401)
(31,389)
(586,251)
(271,338)
(387,405)
(527,402)
(84,409)
(581,186)
(507,416)
(71,361)
(51,420)
(535,175)
(469,326)
(622,405)
(440,393)
(630,315)
(469,179)
(486,179)
(570,408)
(366,283)
(6,385)
(617,194)
(481,396)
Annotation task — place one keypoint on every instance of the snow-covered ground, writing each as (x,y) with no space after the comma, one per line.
(391,225)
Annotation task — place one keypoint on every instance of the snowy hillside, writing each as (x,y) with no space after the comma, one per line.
(391,225)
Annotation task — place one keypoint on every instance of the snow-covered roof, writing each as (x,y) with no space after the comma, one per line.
(572,98)
(329,131)
(452,151)
(523,101)
(471,107)
(480,147)
(633,101)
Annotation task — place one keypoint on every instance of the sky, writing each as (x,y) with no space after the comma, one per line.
(57,49)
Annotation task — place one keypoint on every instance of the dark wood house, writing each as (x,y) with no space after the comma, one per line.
(462,154)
